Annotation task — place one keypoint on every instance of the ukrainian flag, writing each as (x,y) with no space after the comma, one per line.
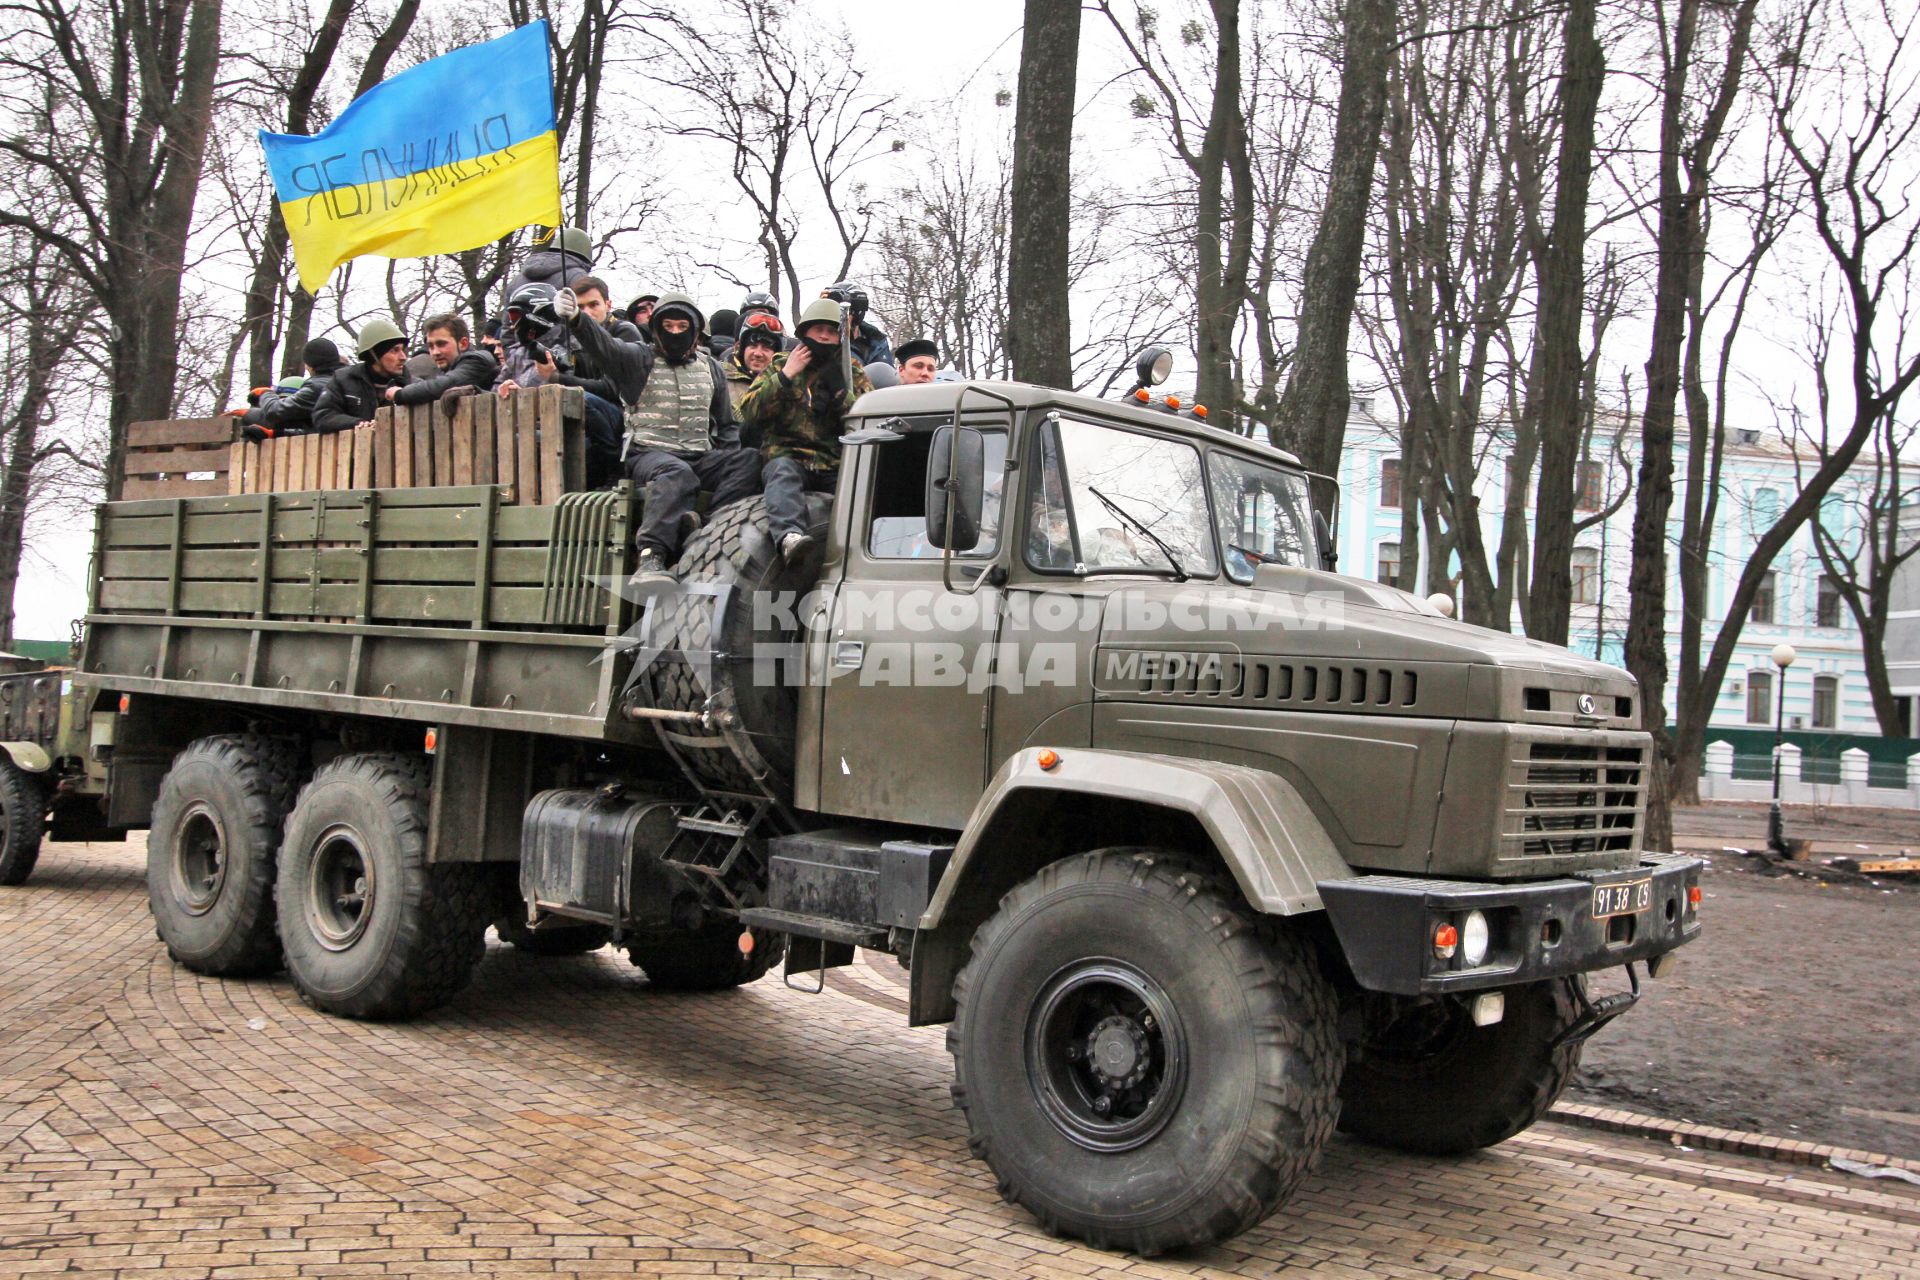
(445,156)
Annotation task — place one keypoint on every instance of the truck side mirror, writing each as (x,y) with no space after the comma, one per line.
(956,487)
(1323,539)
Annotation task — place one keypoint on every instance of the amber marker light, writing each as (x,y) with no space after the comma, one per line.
(1200,412)
(1173,402)
(433,741)
(1048,759)
(1144,396)
(1446,940)
(126,703)
(746,942)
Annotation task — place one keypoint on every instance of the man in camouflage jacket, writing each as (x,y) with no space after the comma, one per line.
(797,410)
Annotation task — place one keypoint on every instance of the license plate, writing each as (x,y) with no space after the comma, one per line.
(1622,898)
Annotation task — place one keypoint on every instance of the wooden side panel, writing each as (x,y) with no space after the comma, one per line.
(383,451)
(362,475)
(402,453)
(237,467)
(296,463)
(441,432)
(420,423)
(526,449)
(485,469)
(505,445)
(553,466)
(461,430)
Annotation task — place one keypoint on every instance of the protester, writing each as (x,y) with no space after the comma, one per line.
(560,256)
(357,389)
(532,337)
(640,310)
(870,344)
(603,397)
(463,369)
(292,413)
(723,328)
(761,339)
(798,409)
(681,432)
(759,302)
(918,361)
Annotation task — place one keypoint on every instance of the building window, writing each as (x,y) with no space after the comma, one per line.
(1826,608)
(1762,610)
(1389,482)
(1586,575)
(1826,701)
(1759,697)
(1390,563)
(1589,485)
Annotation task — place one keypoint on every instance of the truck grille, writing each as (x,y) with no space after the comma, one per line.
(1574,796)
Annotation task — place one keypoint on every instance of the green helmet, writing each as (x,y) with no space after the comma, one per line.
(817,310)
(680,302)
(571,240)
(377,333)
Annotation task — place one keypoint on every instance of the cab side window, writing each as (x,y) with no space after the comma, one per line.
(897,525)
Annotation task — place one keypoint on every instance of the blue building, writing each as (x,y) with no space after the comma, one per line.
(1826,688)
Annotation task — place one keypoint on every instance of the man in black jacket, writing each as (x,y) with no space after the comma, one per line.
(603,398)
(292,413)
(681,432)
(358,389)
(464,368)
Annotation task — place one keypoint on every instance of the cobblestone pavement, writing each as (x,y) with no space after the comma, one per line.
(561,1118)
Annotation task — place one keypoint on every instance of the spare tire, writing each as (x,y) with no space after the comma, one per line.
(718,650)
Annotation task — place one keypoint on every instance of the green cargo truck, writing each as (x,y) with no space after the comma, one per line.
(1202,849)
(52,783)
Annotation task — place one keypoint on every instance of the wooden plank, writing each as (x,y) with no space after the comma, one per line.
(485,470)
(314,478)
(297,463)
(343,465)
(442,434)
(526,448)
(421,425)
(329,458)
(553,466)
(461,430)
(281,459)
(361,476)
(1891,867)
(153,435)
(383,451)
(171,487)
(402,453)
(178,461)
(455,566)
(236,466)
(253,479)
(503,442)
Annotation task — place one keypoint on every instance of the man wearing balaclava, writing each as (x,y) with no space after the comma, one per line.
(681,433)
(797,409)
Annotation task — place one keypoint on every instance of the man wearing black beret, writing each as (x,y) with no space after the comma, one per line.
(917,361)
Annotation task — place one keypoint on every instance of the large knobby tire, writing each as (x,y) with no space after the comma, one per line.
(211,846)
(708,959)
(1143,1065)
(1435,1084)
(370,928)
(552,940)
(733,561)
(23,821)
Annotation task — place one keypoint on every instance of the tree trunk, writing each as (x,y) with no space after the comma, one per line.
(1222,283)
(1311,419)
(1554,380)
(1039,335)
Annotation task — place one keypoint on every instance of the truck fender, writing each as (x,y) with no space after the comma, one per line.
(1260,825)
(30,757)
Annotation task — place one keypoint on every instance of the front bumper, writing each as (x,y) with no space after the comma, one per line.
(1539,929)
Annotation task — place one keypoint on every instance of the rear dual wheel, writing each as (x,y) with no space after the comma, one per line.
(23,822)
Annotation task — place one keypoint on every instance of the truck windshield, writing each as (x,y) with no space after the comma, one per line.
(1155,481)
(1263,515)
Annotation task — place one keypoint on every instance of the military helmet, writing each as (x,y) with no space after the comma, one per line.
(571,240)
(817,310)
(645,295)
(681,303)
(375,334)
(759,301)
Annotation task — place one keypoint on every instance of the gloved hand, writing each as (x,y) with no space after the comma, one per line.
(253,433)
(253,396)
(566,305)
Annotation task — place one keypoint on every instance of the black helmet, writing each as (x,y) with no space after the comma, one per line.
(854,295)
(759,300)
(530,309)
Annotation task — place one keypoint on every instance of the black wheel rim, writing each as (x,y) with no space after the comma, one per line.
(199,859)
(340,889)
(1106,1054)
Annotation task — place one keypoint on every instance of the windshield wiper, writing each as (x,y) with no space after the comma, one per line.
(1180,573)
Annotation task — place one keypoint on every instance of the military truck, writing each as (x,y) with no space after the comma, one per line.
(50,782)
(1201,849)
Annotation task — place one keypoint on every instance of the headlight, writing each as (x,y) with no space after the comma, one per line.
(1473,938)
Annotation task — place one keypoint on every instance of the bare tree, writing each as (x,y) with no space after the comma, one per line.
(1042,194)
(112,105)
(942,266)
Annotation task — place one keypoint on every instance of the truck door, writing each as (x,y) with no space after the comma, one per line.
(906,707)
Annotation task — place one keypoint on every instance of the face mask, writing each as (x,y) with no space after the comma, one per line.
(823,353)
(675,346)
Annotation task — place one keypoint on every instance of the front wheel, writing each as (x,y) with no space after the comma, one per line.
(1432,1083)
(370,928)
(1142,1064)
(23,822)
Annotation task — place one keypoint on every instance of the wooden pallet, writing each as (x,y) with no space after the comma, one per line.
(181,458)
(532,444)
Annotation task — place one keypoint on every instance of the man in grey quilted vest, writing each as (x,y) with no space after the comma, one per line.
(681,433)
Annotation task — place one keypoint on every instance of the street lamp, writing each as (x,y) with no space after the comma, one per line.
(1783,656)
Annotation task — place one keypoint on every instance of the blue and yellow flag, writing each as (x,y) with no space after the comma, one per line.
(443,157)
